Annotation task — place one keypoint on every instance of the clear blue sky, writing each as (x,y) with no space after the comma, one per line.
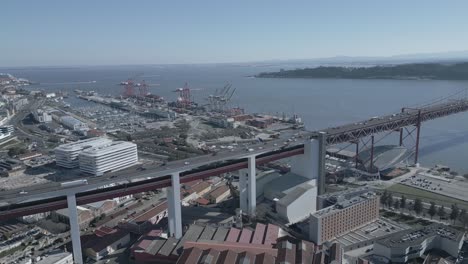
(200,31)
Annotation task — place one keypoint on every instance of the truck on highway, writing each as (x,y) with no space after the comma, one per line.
(74,183)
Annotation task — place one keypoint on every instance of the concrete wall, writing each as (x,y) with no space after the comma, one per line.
(315,231)
(124,241)
(300,208)
(264,180)
(307,165)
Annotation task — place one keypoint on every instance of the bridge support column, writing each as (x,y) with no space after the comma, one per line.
(243,191)
(356,157)
(418,130)
(311,165)
(174,207)
(252,185)
(74,229)
(372,154)
(401,137)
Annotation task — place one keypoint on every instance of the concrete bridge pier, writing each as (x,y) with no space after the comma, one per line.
(251,186)
(311,165)
(74,229)
(243,191)
(174,207)
(247,188)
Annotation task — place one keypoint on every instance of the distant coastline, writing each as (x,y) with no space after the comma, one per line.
(415,71)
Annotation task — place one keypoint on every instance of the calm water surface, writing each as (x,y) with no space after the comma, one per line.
(320,102)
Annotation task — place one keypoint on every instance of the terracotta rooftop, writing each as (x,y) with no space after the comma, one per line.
(219,191)
(100,243)
(201,186)
(145,216)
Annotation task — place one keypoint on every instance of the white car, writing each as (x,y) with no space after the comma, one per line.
(23,192)
(186,163)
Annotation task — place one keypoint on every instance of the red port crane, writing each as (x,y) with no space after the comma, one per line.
(185,98)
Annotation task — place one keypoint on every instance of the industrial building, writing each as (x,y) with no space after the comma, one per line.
(406,245)
(66,155)
(73,123)
(224,122)
(114,156)
(294,196)
(85,216)
(210,244)
(42,116)
(56,257)
(219,194)
(105,242)
(342,217)
(141,222)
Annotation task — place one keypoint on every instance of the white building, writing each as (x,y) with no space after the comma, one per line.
(42,116)
(30,219)
(406,245)
(115,156)
(295,196)
(6,131)
(73,123)
(58,257)
(66,155)
(297,204)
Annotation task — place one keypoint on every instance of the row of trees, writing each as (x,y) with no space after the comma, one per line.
(387,200)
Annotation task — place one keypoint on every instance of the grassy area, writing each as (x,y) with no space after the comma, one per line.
(405,219)
(11,251)
(426,196)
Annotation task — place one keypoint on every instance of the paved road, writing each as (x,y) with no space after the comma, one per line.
(55,190)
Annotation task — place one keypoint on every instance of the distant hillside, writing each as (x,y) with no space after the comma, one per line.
(434,71)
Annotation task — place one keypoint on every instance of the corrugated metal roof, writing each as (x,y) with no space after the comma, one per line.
(208,233)
(271,234)
(259,234)
(155,246)
(246,236)
(169,246)
(221,234)
(233,235)
(145,216)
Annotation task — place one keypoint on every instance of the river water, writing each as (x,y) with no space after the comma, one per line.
(320,102)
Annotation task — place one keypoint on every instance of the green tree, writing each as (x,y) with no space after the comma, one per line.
(403,202)
(463,217)
(396,204)
(383,198)
(432,210)
(389,199)
(418,207)
(441,213)
(454,213)
(14,151)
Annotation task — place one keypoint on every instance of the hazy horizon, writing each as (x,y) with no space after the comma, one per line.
(50,33)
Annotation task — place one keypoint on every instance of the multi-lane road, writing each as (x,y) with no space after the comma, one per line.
(333,136)
(54,189)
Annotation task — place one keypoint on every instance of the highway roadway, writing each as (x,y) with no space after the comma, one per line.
(334,136)
(54,189)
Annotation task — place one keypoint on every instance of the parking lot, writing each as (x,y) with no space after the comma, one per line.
(438,184)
